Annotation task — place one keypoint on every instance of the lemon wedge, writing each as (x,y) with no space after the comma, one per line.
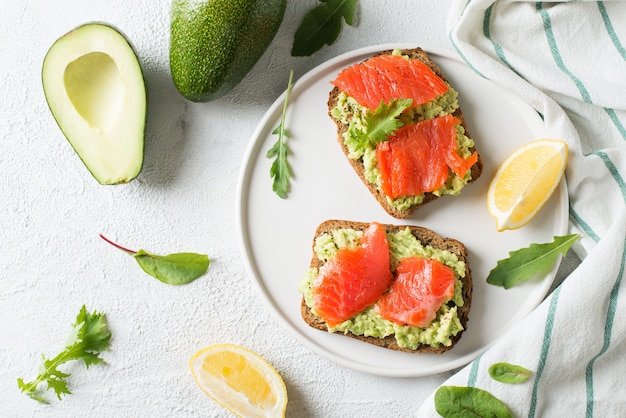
(525,181)
(239,380)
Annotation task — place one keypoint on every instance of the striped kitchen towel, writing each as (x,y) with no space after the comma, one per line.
(568,60)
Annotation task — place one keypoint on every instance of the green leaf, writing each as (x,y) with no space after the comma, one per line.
(509,373)
(279,170)
(379,124)
(90,335)
(384,120)
(523,264)
(464,401)
(322,25)
(179,268)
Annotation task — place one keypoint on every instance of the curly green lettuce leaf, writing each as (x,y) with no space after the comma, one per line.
(89,337)
(379,124)
(383,121)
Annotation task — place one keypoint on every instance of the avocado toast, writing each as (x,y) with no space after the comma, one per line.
(354,284)
(402,130)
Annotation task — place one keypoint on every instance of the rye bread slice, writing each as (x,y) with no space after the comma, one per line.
(476,170)
(426,237)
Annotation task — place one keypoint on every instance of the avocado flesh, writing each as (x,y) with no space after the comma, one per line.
(96,92)
(215,43)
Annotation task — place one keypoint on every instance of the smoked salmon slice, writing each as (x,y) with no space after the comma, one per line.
(386,77)
(417,158)
(354,278)
(418,291)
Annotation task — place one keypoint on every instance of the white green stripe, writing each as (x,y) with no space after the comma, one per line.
(584,93)
(545,348)
(608,332)
(609,28)
(584,226)
(497,47)
(488,55)
(614,172)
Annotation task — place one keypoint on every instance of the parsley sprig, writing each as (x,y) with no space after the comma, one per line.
(90,335)
(280,170)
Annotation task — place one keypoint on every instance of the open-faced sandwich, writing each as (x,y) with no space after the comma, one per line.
(401,127)
(400,287)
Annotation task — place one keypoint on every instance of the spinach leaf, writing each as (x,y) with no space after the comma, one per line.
(509,373)
(523,264)
(178,268)
(465,401)
(321,26)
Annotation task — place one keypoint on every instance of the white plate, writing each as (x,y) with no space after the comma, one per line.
(276,234)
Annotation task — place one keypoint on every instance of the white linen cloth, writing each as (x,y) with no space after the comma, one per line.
(568,60)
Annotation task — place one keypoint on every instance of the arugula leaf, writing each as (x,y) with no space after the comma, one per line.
(280,170)
(90,335)
(179,268)
(461,401)
(321,26)
(509,373)
(523,264)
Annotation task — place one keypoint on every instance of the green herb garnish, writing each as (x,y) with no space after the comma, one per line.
(384,121)
(378,125)
(465,401)
(90,335)
(179,268)
(279,170)
(509,373)
(321,26)
(523,264)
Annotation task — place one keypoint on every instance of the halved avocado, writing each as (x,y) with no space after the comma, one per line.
(96,92)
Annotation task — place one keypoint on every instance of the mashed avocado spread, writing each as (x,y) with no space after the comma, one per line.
(351,113)
(368,323)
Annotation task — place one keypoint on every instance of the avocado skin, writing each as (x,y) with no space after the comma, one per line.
(215,43)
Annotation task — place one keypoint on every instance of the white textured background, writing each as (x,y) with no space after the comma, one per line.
(51,212)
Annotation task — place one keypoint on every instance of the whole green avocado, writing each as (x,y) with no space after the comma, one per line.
(215,43)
